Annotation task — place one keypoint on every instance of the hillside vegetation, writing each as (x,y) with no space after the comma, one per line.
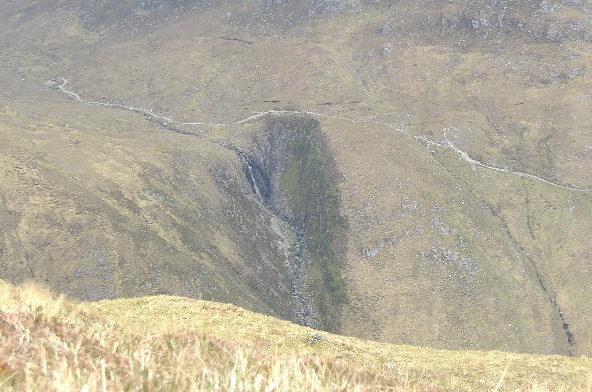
(171,343)
(437,191)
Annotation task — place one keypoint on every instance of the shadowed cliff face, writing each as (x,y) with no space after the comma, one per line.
(144,152)
(291,171)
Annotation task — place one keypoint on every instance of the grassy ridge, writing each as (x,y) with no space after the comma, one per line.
(172,343)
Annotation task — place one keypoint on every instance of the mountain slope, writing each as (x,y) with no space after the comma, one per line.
(115,207)
(457,136)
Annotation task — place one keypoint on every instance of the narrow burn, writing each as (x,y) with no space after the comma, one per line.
(256,177)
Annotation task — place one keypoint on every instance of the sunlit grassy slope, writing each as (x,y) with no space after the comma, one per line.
(173,343)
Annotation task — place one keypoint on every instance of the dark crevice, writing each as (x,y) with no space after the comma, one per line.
(550,296)
(260,183)
(256,177)
(292,175)
(242,41)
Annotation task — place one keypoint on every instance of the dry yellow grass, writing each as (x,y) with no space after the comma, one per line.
(48,343)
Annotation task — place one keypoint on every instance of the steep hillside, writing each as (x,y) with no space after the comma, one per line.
(104,205)
(413,172)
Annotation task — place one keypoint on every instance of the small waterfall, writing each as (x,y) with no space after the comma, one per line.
(250,173)
(260,185)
